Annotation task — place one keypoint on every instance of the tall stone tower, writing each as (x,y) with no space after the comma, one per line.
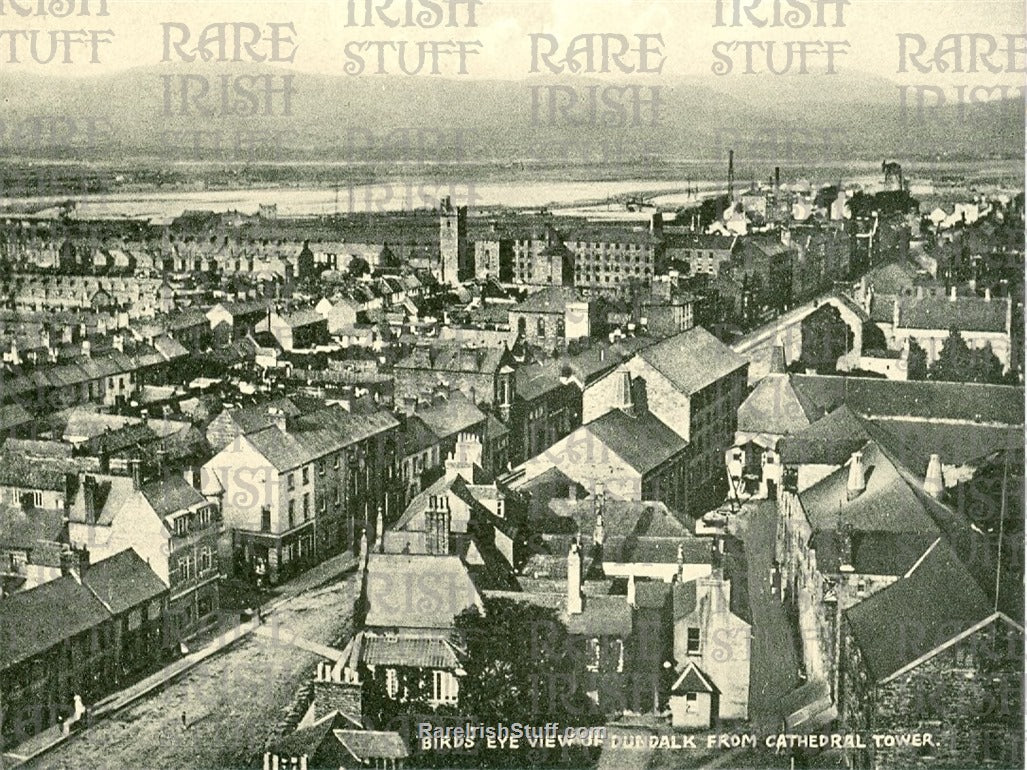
(454,249)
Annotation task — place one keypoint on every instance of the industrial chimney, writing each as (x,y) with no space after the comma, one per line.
(731,175)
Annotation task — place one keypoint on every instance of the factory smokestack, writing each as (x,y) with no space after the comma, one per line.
(731,174)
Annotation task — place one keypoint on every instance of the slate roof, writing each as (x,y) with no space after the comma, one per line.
(413,591)
(620,518)
(33,621)
(123,581)
(937,602)
(20,471)
(642,441)
(830,440)
(417,436)
(969,314)
(874,397)
(693,359)
(887,505)
(552,299)
(25,529)
(601,616)
(170,495)
(13,416)
(316,435)
(451,415)
(366,745)
(536,380)
(314,740)
(454,357)
(775,407)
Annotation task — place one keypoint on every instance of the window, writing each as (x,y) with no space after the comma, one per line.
(694,643)
(392,682)
(265,518)
(181,525)
(335,463)
(444,687)
(861,587)
(292,481)
(306,475)
(206,560)
(691,697)
(306,506)
(292,514)
(620,656)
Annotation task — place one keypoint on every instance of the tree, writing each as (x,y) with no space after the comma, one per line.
(953,361)
(957,362)
(520,661)
(359,266)
(917,362)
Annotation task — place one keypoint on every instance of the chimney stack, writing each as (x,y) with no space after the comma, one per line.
(934,481)
(624,392)
(845,548)
(575,598)
(599,532)
(857,476)
(278,418)
(135,467)
(987,294)
(89,498)
(952,294)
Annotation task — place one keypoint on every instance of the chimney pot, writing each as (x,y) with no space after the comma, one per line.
(934,481)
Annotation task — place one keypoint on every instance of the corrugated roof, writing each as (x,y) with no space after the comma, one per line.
(410,651)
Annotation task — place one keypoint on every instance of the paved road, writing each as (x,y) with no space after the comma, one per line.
(231,701)
(775,663)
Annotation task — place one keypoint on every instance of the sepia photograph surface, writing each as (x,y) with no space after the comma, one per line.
(529,384)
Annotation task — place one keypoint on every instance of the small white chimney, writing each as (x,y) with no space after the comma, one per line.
(934,482)
(952,294)
(631,589)
(857,477)
(987,295)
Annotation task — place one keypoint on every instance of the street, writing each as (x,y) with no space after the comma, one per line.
(230,702)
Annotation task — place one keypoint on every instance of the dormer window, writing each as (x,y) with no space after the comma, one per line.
(181,525)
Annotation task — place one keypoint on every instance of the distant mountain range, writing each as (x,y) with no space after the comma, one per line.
(848,116)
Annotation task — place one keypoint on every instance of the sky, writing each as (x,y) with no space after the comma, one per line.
(324,43)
